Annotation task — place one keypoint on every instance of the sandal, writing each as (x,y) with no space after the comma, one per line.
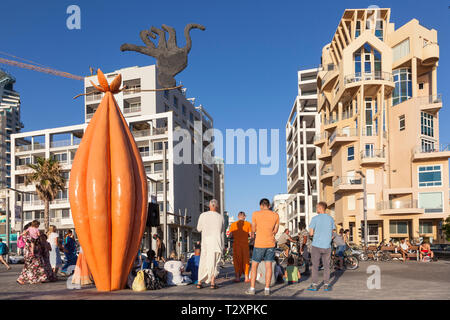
(199,286)
(214,287)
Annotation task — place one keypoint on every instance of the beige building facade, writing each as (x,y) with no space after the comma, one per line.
(379,108)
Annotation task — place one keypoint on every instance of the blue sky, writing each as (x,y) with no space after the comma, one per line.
(243,68)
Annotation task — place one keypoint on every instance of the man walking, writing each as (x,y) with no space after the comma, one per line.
(211,225)
(265,224)
(240,231)
(321,229)
(305,244)
(3,251)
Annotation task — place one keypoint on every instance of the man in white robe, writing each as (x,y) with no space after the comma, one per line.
(211,225)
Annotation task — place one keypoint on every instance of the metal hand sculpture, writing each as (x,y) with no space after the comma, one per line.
(170,59)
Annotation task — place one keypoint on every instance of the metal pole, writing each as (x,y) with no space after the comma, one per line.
(8,226)
(21,212)
(366,236)
(165,234)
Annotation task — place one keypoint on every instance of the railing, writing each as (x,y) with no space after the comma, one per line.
(308,78)
(350,132)
(320,136)
(346,115)
(162,130)
(329,121)
(64,143)
(309,93)
(376,153)
(432,149)
(145,153)
(93,96)
(436,98)
(377,75)
(330,70)
(30,147)
(132,89)
(141,133)
(89,115)
(326,170)
(397,204)
(347,180)
(132,109)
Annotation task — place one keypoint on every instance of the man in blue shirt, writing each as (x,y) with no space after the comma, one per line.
(321,229)
(193,263)
(3,251)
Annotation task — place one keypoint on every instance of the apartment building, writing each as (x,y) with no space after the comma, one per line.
(301,153)
(379,108)
(153,118)
(280,206)
(9,124)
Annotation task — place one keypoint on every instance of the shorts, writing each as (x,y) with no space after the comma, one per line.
(340,251)
(266,254)
(283,246)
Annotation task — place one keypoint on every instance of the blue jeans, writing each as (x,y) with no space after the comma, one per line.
(266,254)
(340,251)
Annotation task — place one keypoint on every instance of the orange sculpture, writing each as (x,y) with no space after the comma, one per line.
(108,192)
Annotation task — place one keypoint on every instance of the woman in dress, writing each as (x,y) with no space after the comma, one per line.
(70,251)
(55,255)
(33,270)
(46,248)
(82,275)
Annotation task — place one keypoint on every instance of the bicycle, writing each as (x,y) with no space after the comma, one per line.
(350,262)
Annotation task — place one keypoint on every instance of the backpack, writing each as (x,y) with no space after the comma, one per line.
(152,282)
(161,275)
(20,243)
(139,282)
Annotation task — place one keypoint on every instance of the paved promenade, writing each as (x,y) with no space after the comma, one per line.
(399,280)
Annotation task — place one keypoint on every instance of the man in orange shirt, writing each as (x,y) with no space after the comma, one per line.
(265,224)
(240,231)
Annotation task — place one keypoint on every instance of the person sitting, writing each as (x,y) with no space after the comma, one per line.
(283,242)
(175,268)
(339,241)
(403,249)
(279,274)
(292,274)
(193,263)
(150,261)
(425,251)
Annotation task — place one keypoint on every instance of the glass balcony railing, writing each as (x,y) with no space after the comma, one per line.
(377,75)
(326,170)
(341,133)
(431,148)
(320,136)
(397,204)
(347,181)
(376,153)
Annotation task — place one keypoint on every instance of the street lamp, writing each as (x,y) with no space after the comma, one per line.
(364,207)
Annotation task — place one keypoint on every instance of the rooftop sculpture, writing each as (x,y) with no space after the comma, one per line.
(170,59)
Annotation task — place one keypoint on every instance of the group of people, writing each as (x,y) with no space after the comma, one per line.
(262,231)
(405,247)
(42,254)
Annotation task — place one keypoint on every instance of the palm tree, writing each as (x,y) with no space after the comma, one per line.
(48,180)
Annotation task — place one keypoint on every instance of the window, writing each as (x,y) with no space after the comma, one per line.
(370,176)
(61,157)
(175,102)
(358,29)
(369,150)
(425,227)
(183,110)
(158,166)
(398,227)
(166,94)
(351,153)
(371,201)
(401,120)
(403,86)
(358,61)
(351,204)
(431,201)
(65,213)
(379,29)
(421,86)
(430,176)
(426,121)
(427,145)
(400,50)
(191,117)
(369,116)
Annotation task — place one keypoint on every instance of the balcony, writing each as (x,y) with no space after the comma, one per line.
(375,156)
(132,108)
(431,103)
(319,139)
(94,96)
(373,76)
(30,147)
(431,152)
(430,53)
(324,156)
(348,183)
(330,123)
(326,173)
(399,207)
(64,143)
(341,136)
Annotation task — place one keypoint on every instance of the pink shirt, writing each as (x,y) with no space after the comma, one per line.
(33,232)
